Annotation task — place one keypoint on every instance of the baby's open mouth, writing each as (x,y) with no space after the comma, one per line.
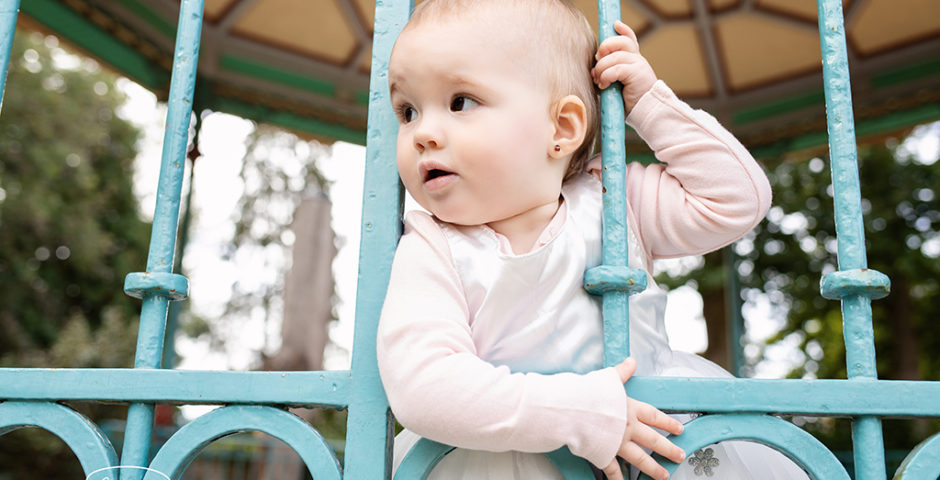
(435,173)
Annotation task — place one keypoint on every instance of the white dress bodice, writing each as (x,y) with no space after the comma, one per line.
(531,313)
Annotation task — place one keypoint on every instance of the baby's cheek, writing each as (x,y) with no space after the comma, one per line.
(407,167)
(527,137)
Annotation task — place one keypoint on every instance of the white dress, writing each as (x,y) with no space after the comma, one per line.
(530,313)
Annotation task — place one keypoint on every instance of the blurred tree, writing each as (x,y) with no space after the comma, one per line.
(70,231)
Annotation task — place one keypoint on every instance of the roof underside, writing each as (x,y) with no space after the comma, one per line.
(755,64)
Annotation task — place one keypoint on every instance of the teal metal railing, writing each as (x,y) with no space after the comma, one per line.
(736,408)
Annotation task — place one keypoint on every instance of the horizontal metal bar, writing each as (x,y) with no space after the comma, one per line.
(888,398)
(326,388)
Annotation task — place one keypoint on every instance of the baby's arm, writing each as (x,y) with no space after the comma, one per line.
(709,191)
(439,388)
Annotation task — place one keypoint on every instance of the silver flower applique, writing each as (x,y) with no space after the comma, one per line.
(704,461)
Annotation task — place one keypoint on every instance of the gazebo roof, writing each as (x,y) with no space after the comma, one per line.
(755,64)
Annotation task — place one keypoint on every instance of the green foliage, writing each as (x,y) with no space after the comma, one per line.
(69,223)
(69,233)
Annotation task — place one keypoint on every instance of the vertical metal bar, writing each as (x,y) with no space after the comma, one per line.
(369,426)
(615,304)
(175,308)
(735,328)
(150,337)
(8,11)
(856,309)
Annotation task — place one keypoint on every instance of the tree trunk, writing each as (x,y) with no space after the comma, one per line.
(308,290)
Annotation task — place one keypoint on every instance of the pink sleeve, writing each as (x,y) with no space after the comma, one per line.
(710,191)
(439,388)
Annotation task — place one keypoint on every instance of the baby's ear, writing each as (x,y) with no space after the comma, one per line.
(570,118)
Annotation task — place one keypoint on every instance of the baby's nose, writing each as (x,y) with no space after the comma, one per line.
(429,132)
(421,145)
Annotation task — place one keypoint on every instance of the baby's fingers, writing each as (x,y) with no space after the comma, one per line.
(647,437)
(617,67)
(612,470)
(654,417)
(615,59)
(632,453)
(617,43)
(625,369)
(624,29)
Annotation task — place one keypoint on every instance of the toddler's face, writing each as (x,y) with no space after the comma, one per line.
(474,126)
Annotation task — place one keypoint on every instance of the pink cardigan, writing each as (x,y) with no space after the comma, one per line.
(708,193)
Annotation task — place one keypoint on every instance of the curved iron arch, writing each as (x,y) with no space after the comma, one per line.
(923,463)
(83,437)
(426,454)
(423,456)
(177,453)
(788,439)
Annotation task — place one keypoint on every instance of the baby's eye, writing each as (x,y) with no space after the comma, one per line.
(461,103)
(407,113)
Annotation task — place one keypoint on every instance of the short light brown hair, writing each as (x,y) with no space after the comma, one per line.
(568,43)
